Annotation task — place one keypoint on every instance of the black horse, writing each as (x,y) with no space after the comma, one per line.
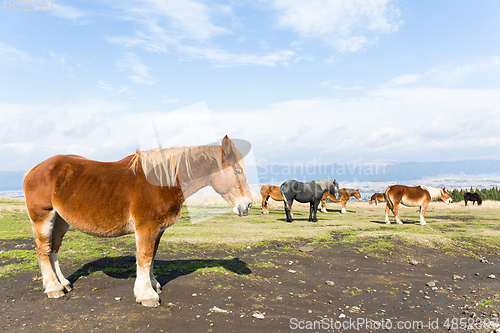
(474,197)
(311,192)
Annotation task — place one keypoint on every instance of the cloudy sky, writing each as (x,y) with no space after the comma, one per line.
(320,80)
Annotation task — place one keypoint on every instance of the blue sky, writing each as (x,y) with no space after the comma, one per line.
(303,81)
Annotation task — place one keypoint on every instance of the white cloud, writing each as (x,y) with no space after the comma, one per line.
(403,79)
(405,124)
(187,28)
(70,13)
(140,72)
(346,24)
(10,53)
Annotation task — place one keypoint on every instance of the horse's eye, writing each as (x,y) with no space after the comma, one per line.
(238,171)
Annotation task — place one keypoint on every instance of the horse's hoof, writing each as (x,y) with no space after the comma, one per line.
(150,303)
(400,222)
(55,294)
(387,222)
(289,221)
(68,288)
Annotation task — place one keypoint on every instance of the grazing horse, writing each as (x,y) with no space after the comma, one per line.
(143,194)
(269,191)
(345,195)
(412,197)
(474,197)
(311,192)
(377,197)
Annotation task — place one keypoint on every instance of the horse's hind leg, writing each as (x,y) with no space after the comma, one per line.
(423,208)
(154,283)
(43,223)
(323,205)
(60,229)
(265,210)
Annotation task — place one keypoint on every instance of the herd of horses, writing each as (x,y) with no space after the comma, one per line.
(395,195)
(143,194)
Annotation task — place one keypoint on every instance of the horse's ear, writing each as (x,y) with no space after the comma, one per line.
(226,146)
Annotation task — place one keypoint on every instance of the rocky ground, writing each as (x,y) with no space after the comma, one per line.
(325,288)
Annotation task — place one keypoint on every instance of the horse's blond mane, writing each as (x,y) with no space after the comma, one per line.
(165,163)
(434,192)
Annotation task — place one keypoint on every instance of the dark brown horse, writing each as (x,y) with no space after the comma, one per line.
(345,195)
(377,197)
(142,194)
(269,191)
(418,196)
(474,197)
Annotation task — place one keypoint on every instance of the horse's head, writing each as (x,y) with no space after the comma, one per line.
(334,189)
(357,195)
(231,182)
(445,196)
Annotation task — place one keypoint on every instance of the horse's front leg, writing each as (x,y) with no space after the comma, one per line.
(146,241)
(343,210)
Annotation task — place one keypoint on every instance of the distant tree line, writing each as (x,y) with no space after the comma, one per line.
(485,193)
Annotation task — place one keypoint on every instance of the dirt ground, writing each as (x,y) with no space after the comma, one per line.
(291,293)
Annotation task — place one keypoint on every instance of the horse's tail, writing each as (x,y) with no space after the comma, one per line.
(284,198)
(388,199)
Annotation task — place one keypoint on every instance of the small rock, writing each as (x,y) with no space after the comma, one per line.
(292,271)
(118,298)
(258,316)
(306,248)
(309,311)
(218,310)
(457,277)
(342,315)
(194,295)
(484,260)
(431,284)
(492,276)
(427,297)
(330,283)
(413,262)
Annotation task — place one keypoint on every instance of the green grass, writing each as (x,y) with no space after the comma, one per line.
(456,229)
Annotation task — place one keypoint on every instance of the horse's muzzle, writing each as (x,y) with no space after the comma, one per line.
(243,207)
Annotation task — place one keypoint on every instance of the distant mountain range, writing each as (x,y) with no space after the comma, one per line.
(482,173)
(376,172)
(11,180)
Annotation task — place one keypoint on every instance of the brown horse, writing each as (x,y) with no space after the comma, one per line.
(142,194)
(377,197)
(345,195)
(269,191)
(418,196)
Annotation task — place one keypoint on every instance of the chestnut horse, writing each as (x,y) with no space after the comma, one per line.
(377,197)
(345,195)
(143,194)
(269,191)
(418,196)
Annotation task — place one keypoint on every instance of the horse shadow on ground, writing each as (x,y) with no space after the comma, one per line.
(396,223)
(165,270)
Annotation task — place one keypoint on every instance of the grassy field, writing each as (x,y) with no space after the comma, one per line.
(471,231)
